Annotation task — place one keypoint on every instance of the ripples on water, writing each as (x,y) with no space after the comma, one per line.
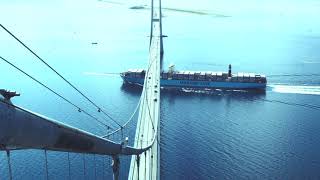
(235,135)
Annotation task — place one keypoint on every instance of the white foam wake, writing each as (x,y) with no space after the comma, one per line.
(313,90)
(100,74)
(311,62)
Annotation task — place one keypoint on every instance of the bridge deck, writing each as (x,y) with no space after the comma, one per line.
(149,114)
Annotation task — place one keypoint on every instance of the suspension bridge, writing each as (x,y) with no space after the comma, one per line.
(24,129)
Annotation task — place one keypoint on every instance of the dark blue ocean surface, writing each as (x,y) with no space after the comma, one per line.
(204,135)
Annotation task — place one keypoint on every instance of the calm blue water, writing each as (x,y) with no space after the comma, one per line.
(218,135)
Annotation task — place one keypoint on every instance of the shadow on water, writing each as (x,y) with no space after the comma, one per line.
(212,95)
(131,89)
(172,94)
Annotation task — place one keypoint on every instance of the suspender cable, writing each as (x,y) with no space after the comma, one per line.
(138,165)
(9,164)
(69,166)
(103,170)
(68,82)
(104,166)
(46,164)
(95,167)
(84,166)
(59,95)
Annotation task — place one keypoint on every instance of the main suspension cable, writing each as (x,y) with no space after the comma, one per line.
(136,108)
(126,123)
(68,82)
(59,95)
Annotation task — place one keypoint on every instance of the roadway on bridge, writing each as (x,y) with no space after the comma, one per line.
(149,114)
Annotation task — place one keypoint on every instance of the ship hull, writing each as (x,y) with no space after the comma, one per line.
(167,83)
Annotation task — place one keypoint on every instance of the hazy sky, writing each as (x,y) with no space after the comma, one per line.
(93,19)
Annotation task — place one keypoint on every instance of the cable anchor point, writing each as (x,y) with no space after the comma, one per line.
(7,95)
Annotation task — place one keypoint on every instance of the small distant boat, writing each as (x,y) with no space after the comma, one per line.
(138,7)
(197,79)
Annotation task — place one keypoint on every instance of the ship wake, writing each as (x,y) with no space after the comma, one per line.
(101,74)
(295,89)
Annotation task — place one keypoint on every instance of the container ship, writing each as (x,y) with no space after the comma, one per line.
(200,80)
